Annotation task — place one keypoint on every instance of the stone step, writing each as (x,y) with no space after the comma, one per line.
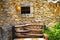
(30,39)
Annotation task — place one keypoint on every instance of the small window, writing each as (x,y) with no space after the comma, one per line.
(25,10)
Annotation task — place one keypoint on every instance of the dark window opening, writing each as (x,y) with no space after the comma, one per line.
(25,10)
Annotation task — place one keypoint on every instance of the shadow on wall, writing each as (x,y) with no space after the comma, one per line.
(5,33)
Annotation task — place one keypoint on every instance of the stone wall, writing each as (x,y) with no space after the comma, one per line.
(9,16)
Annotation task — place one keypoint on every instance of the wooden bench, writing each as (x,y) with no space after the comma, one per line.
(34,30)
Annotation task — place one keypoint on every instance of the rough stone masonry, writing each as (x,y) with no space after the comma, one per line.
(9,16)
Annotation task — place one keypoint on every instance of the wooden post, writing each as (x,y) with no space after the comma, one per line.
(46,36)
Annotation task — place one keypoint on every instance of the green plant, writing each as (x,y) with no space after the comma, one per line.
(57,26)
(54,33)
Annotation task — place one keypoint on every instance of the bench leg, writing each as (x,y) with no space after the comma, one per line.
(46,36)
